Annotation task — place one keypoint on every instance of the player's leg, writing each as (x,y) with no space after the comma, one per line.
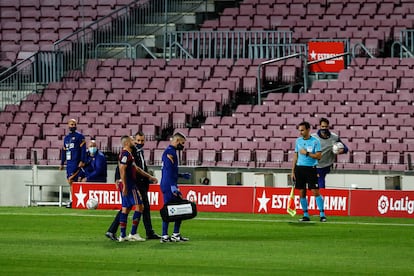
(300,173)
(321,177)
(319,199)
(123,218)
(72,172)
(136,219)
(111,233)
(165,238)
(127,204)
(146,214)
(176,236)
(139,207)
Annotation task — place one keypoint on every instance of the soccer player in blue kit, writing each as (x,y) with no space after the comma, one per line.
(169,186)
(305,159)
(74,153)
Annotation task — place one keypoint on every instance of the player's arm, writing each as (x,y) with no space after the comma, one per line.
(122,172)
(317,155)
(83,153)
(117,177)
(145,174)
(62,157)
(168,163)
(294,161)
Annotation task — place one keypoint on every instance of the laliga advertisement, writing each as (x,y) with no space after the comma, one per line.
(323,49)
(260,200)
(382,203)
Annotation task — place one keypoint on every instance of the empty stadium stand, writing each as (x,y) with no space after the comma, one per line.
(370,104)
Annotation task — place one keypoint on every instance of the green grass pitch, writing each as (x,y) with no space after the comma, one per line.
(59,241)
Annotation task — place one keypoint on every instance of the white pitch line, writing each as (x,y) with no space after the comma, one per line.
(218,219)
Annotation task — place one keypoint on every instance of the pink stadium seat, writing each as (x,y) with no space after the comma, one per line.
(261,157)
(151,131)
(359,157)
(5,154)
(376,157)
(244,158)
(158,156)
(40,155)
(227,157)
(21,156)
(192,157)
(53,156)
(208,157)
(194,144)
(209,107)
(394,157)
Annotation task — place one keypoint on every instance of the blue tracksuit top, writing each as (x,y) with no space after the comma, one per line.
(74,150)
(96,168)
(169,169)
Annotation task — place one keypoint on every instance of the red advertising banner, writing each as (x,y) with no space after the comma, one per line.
(207,198)
(220,199)
(382,203)
(260,200)
(324,49)
(108,196)
(275,200)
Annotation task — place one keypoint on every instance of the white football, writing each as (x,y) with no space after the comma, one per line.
(336,147)
(92,203)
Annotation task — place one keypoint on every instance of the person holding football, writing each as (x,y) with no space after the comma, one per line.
(327,139)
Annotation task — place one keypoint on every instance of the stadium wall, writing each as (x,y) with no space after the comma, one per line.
(14,189)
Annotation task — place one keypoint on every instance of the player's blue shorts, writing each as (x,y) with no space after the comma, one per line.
(72,169)
(131,199)
(322,172)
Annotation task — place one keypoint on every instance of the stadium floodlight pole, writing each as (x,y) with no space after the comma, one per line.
(259,82)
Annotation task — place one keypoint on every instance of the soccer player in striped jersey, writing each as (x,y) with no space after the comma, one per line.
(129,192)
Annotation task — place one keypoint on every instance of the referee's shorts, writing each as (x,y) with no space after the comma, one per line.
(306,175)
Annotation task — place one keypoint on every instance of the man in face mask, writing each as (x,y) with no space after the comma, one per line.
(74,154)
(143,184)
(327,140)
(169,186)
(96,165)
(143,179)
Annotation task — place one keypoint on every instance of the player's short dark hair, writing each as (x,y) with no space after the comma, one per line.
(324,120)
(139,133)
(305,124)
(179,135)
(123,139)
